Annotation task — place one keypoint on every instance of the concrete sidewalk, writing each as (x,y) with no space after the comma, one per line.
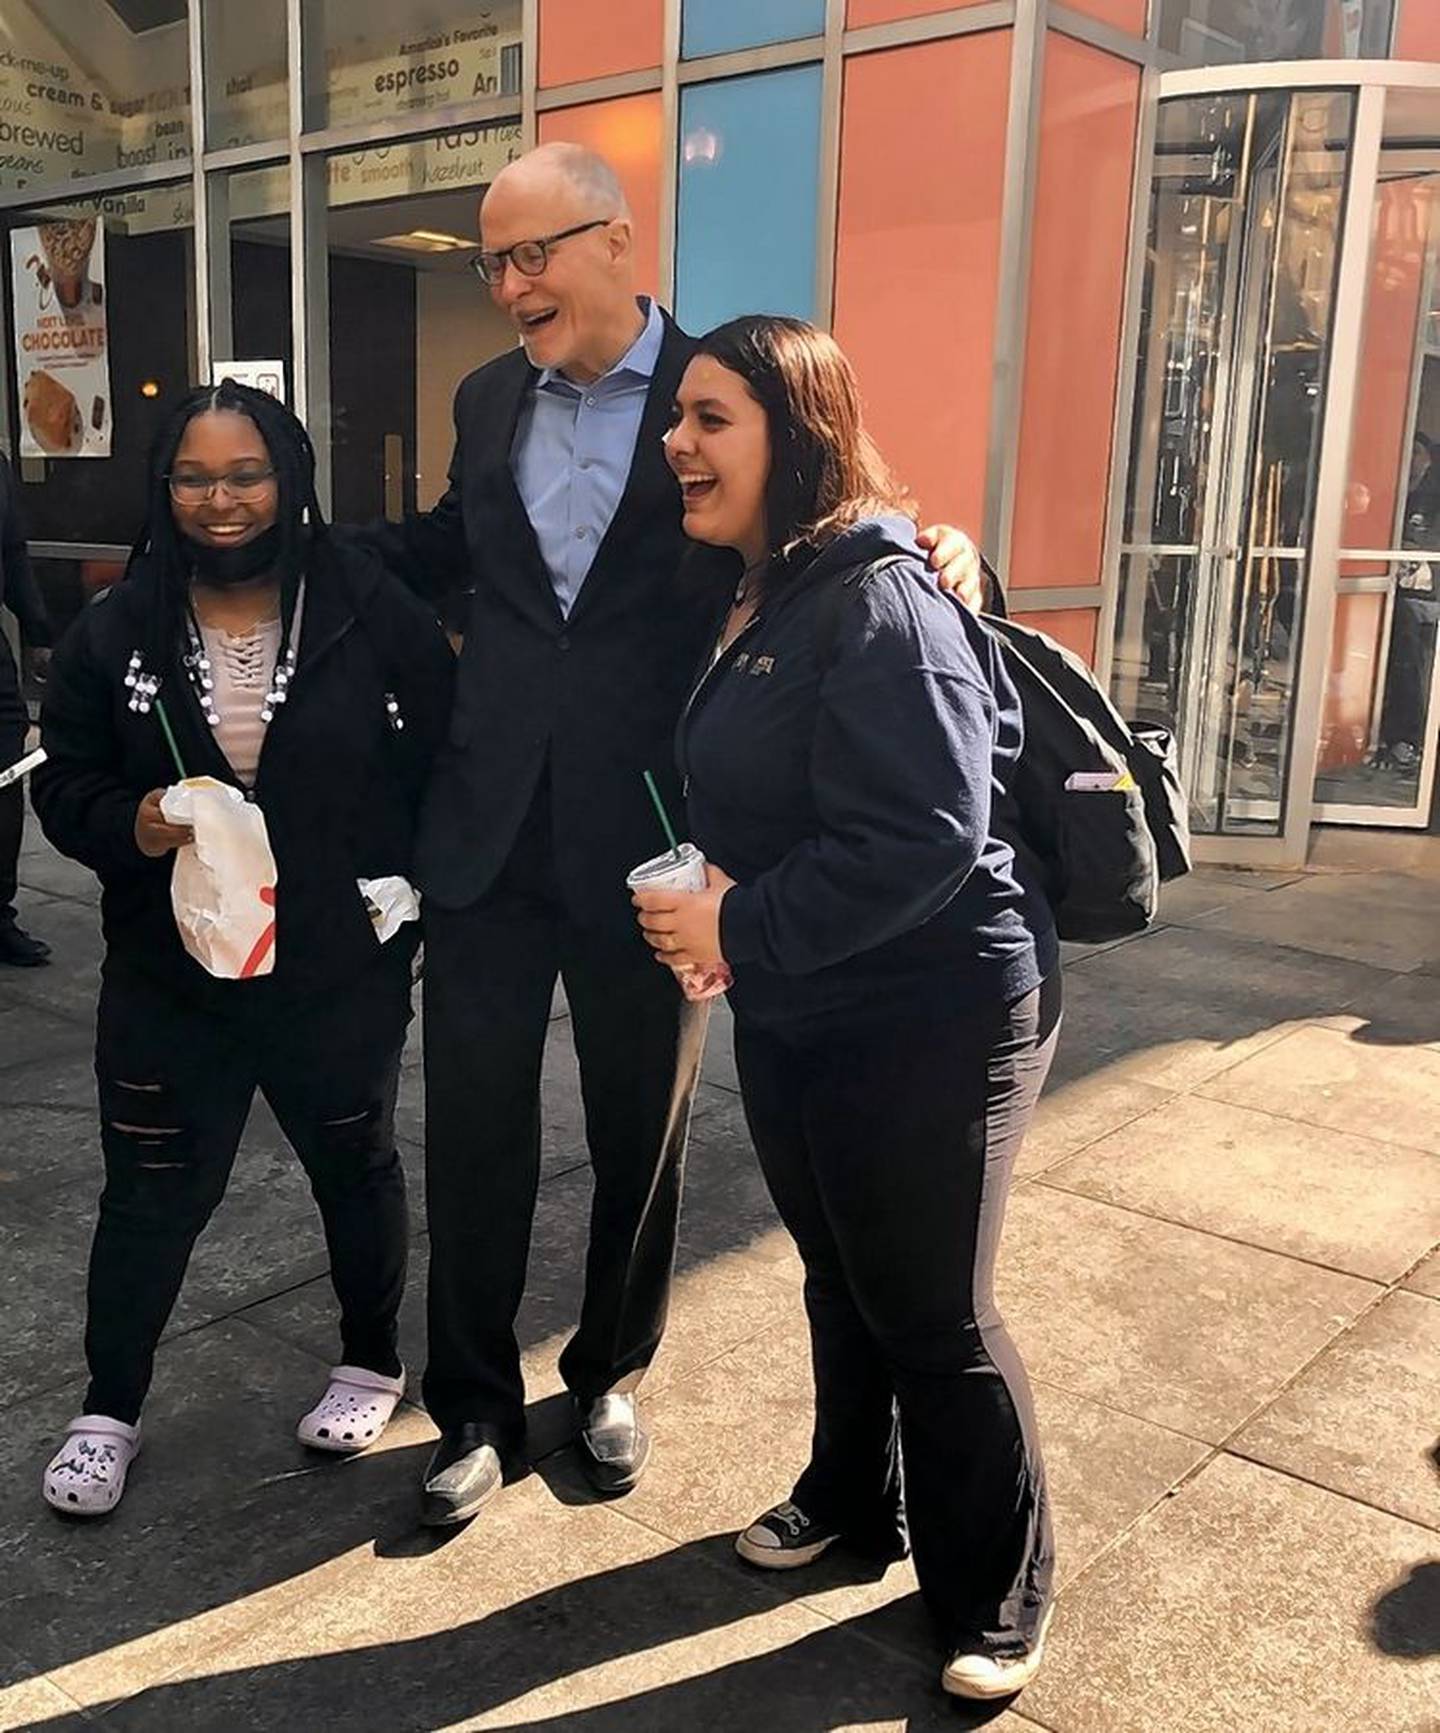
(1221,1265)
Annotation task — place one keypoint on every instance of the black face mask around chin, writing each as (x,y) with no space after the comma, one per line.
(223,566)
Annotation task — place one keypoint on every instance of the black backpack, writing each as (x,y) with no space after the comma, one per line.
(1101,845)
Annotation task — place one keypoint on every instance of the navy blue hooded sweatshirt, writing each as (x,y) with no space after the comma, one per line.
(857,803)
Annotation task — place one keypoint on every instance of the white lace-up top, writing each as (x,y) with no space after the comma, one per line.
(242,668)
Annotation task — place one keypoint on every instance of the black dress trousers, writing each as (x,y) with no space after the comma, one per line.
(490,973)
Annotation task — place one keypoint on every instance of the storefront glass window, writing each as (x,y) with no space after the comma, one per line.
(91,86)
(408,317)
(386,59)
(250,309)
(247,96)
(718,26)
(1226,32)
(102,340)
(748,145)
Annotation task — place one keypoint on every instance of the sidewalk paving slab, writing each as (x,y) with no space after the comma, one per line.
(1330,1078)
(1386,919)
(1169,1324)
(1074,1114)
(1425,1277)
(1347,1202)
(1363,1419)
(1249,1600)
(1177,1006)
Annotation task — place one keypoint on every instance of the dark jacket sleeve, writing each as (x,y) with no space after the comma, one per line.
(900,772)
(84,805)
(22,593)
(427,550)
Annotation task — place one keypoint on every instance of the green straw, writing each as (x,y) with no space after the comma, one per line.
(169,733)
(662,815)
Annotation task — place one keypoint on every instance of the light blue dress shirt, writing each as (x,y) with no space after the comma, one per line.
(574,445)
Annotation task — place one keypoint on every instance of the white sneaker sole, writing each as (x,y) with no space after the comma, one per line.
(770,1558)
(1015,1680)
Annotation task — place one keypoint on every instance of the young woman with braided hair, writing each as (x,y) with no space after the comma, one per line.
(291,667)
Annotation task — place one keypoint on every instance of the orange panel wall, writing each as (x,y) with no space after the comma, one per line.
(1089,112)
(917,264)
(1379,452)
(1419,34)
(1127,15)
(628,131)
(1350,691)
(587,39)
(1075,628)
(859,13)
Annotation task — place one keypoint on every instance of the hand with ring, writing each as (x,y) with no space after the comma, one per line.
(683,927)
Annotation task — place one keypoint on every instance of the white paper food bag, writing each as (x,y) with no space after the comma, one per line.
(223,887)
(390,903)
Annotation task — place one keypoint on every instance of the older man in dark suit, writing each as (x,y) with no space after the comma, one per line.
(588,617)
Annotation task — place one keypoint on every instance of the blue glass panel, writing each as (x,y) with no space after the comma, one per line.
(749,191)
(717,26)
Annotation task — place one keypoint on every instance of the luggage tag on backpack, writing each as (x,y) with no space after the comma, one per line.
(1099,781)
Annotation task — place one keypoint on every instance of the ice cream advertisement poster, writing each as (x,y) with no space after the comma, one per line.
(61,340)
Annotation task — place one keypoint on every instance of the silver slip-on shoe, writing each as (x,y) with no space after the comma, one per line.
(612,1444)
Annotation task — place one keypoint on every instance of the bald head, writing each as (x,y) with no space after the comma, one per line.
(578,313)
(569,170)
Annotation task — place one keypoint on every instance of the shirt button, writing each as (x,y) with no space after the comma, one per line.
(589,402)
(584,463)
(581,533)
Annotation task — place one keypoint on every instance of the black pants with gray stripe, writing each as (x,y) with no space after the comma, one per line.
(889,1157)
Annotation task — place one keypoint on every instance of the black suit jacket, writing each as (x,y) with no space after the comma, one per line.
(595,698)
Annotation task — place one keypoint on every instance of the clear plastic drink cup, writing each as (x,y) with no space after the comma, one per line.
(682,870)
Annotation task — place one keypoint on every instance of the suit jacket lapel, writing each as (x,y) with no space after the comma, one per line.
(526,579)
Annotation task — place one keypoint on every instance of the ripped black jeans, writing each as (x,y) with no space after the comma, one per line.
(177,1076)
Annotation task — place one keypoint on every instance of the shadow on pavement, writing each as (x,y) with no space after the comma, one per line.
(1406,1618)
(823,1679)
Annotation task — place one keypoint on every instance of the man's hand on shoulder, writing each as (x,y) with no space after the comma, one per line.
(956,561)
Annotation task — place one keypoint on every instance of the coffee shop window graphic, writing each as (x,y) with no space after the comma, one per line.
(62,338)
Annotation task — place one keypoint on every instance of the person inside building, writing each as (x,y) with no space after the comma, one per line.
(299,674)
(1405,711)
(21,595)
(562,520)
(896,983)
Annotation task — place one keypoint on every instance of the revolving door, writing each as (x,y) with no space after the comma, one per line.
(1274,602)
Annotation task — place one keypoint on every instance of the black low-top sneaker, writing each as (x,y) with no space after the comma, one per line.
(20,949)
(784,1539)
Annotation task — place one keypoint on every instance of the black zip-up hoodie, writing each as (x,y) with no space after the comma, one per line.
(855,790)
(339,785)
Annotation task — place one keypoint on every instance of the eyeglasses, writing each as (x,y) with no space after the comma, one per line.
(528,257)
(241,484)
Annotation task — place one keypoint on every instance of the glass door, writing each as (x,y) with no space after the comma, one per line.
(1245,217)
(1377,748)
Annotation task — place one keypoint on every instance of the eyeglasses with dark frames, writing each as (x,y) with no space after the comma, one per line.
(528,257)
(191,488)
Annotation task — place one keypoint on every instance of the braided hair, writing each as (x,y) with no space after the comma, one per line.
(160,544)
